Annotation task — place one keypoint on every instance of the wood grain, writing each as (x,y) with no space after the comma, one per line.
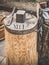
(2,36)
(21,49)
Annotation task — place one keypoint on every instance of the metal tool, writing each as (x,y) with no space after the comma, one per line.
(8,16)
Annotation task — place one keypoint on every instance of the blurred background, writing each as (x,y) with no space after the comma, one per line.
(16,0)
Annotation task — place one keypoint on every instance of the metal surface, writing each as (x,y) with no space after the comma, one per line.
(43,47)
(28,26)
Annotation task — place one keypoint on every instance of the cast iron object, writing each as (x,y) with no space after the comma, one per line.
(22,24)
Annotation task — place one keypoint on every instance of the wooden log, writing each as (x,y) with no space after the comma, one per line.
(2,36)
(21,49)
(21,42)
(3,11)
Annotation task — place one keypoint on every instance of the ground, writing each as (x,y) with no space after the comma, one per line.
(2,53)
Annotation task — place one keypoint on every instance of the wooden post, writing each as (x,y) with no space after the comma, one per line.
(21,44)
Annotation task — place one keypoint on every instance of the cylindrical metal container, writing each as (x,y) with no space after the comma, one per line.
(21,39)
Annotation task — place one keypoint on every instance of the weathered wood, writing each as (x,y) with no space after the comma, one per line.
(1,30)
(21,46)
(44,51)
(21,49)
(3,11)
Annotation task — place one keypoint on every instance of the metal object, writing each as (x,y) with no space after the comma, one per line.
(10,17)
(20,16)
(21,33)
(44,43)
(23,28)
(2,17)
(46,16)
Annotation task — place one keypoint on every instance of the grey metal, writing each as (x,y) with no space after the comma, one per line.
(10,17)
(26,24)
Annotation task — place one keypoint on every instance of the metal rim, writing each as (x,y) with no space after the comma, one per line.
(22,32)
